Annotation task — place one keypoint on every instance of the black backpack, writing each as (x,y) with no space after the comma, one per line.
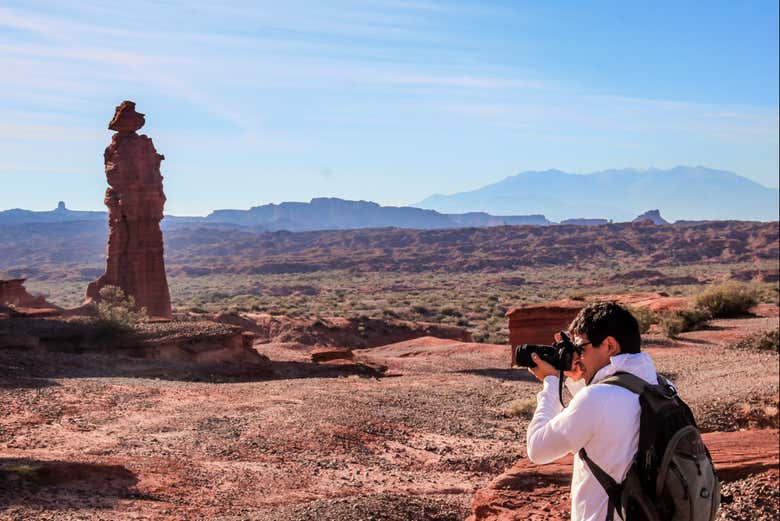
(672,477)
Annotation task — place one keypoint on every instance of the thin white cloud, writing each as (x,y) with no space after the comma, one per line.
(28,132)
(91,54)
(470,82)
(607,114)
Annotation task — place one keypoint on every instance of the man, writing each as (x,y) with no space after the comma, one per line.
(604,419)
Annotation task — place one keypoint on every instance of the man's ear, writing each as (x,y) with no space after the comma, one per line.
(613,346)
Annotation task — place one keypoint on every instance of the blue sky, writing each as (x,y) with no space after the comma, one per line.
(384,100)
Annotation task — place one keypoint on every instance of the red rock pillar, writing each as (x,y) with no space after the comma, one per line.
(135,202)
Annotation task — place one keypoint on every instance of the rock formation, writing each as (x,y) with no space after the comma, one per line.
(537,323)
(15,300)
(135,202)
(653,216)
(12,291)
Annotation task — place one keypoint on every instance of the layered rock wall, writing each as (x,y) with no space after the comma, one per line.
(537,323)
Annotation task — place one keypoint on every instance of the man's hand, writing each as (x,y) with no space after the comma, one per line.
(542,368)
(577,369)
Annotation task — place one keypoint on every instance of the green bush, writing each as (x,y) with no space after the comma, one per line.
(766,341)
(115,310)
(676,322)
(694,318)
(450,311)
(671,324)
(421,310)
(728,299)
(645,317)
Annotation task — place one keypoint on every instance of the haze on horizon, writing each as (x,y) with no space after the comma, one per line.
(383,100)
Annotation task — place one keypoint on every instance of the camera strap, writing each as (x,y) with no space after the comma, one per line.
(560,387)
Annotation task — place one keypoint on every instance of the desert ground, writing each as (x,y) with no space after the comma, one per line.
(426,423)
(106,436)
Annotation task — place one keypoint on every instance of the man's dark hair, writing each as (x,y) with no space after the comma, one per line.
(603,319)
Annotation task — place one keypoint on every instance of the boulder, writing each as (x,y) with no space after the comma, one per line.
(537,323)
(201,343)
(329,354)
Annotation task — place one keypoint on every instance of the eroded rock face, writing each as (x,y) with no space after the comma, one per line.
(537,323)
(135,202)
(13,293)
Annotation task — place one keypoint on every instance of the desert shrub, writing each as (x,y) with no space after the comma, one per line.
(389,313)
(676,322)
(671,324)
(479,336)
(115,310)
(421,310)
(577,295)
(524,407)
(765,341)
(727,299)
(645,317)
(450,311)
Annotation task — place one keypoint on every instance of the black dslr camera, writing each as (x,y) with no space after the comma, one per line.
(559,355)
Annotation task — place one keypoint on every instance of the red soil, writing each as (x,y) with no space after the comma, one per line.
(103,436)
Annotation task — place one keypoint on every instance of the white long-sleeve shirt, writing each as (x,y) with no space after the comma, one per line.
(604,419)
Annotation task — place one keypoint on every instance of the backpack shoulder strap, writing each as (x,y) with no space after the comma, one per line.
(627,381)
(611,487)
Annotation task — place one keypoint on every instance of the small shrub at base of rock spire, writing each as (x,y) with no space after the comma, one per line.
(116,311)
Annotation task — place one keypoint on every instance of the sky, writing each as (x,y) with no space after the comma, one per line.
(382,100)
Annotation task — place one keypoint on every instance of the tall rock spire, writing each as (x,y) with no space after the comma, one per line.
(135,202)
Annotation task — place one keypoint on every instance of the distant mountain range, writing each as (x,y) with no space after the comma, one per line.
(530,198)
(319,214)
(338,214)
(58,215)
(681,193)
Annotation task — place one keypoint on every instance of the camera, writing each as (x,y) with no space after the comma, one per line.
(560,354)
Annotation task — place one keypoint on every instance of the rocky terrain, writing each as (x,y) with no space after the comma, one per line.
(104,435)
(77,250)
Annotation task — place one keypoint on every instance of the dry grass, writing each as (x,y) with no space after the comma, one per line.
(523,407)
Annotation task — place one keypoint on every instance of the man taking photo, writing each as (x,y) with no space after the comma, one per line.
(602,419)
